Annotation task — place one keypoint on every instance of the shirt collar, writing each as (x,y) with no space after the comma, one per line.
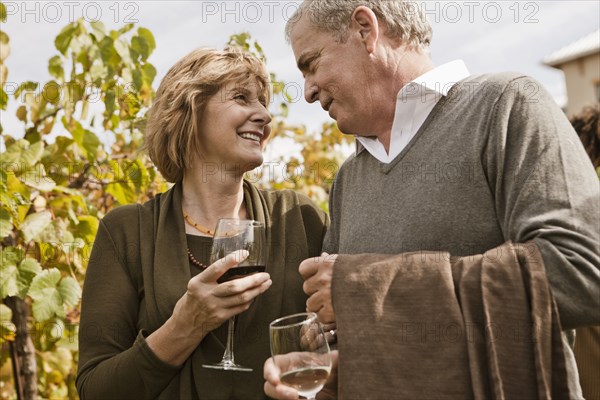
(439,80)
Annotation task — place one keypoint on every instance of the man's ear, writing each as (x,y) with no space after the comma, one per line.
(364,21)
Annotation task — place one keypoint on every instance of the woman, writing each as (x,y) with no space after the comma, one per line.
(152,313)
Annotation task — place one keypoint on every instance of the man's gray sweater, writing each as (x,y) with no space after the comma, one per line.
(496,160)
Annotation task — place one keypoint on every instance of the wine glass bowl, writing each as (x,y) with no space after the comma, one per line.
(301,352)
(240,234)
(232,235)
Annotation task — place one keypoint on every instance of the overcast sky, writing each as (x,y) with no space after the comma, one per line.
(490,36)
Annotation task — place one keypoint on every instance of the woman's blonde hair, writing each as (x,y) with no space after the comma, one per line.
(171,133)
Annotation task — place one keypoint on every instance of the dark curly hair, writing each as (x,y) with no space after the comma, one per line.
(586,125)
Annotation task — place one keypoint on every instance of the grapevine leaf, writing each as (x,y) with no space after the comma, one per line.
(70,291)
(35,224)
(98,29)
(8,271)
(149,74)
(27,86)
(61,360)
(3,99)
(46,297)
(87,227)
(38,179)
(22,113)
(55,67)
(9,276)
(7,328)
(98,69)
(108,53)
(52,92)
(3,68)
(51,294)
(5,313)
(63,40)
(86,140)
(148,37)
(123,51)
(140,46)
(23,153)
(125,29)
(6,225)
(28,269)
(121,191)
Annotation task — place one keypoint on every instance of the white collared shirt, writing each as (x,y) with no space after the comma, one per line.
(414,103)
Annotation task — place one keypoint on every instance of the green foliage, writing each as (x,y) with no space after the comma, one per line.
(54,192)
(52,294)
(244,41)
(4,52)
(7,331)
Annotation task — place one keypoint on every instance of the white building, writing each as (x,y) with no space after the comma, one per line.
(580,62)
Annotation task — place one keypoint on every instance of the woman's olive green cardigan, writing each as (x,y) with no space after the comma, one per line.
(139,269)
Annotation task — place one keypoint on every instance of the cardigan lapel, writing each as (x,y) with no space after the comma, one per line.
(171,270)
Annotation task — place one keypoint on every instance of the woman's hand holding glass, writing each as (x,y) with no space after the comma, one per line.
(207,304)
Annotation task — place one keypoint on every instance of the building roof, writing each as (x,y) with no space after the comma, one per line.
(585,46)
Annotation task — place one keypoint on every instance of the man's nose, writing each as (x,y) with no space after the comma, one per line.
(311,91)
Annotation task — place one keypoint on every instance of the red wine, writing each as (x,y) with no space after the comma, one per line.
(239,272)
(307,381)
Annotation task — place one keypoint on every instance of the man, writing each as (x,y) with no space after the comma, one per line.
(587,346)
(445,162)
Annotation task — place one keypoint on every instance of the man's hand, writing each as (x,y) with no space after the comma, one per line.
(317,273)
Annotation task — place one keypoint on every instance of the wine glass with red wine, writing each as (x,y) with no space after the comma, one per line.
(232,235)
(301,352)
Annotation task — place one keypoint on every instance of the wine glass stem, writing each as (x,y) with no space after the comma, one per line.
(228,355)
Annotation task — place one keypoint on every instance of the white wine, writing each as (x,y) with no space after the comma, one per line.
(307,381)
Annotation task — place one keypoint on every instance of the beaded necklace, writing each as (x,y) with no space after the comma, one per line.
(200,229)
(197,226)
(195,262)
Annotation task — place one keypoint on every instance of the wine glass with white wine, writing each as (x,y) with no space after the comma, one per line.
(301,352)
(232,235)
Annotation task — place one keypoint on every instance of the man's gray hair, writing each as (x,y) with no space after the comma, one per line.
(405,20)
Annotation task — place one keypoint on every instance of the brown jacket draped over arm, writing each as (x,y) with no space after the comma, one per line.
(423,325)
